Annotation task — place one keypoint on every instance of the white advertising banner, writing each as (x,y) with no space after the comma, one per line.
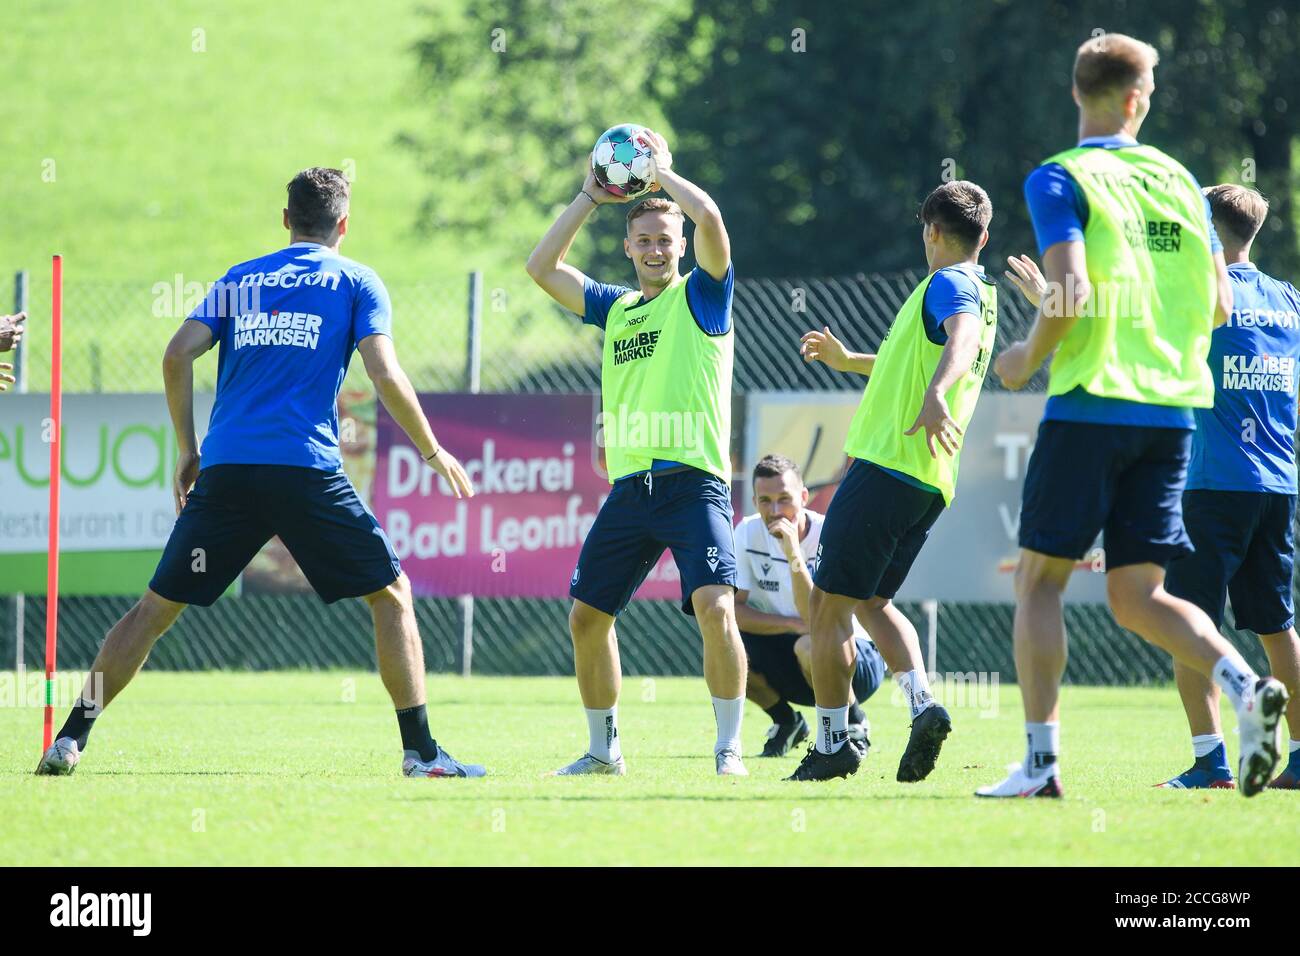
(119,452)
(972,551)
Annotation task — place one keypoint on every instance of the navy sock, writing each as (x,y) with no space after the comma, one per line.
(80,720)
(1216,759)
(413,722)
(781,712)
(856,716)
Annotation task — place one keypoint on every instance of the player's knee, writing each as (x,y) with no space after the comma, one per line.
(1037,576)
(829,612)
(396,595)
(158,608)
(586,622)
(1129,603)
(715,609)
(803,648)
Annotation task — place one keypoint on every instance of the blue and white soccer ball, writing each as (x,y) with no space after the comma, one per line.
(622,161)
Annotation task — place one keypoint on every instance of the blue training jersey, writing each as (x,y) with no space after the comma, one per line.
(286,324)
(1246,442)
(1059,211)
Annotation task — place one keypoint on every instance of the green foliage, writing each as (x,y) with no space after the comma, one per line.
(519,91)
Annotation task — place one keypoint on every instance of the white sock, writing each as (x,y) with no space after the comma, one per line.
(1203,744)
(728,714)
(1235,678)
(916,687)
(832,728)
(602,725)
(1044,748)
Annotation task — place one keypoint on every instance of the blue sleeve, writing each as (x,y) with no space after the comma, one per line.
(949,292)
(597,297)
(1055,206)
(710,299)
(215,307)
(372,312)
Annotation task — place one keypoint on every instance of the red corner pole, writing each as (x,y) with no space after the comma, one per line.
(56,445)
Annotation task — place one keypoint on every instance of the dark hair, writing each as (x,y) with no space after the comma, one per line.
(318,199)
(774,466)
(961,209)
(1237,210)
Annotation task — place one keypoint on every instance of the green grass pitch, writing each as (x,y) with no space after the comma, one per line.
(303,768)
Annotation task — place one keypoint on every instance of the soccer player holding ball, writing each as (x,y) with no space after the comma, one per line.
(1134,283)
(666,398)
(904,445)
(1239,506)
(287,324)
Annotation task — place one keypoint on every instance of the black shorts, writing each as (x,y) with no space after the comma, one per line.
(874,529)
(772,656)
(233,510)
(1125,480)
(686,510)
(1245,548)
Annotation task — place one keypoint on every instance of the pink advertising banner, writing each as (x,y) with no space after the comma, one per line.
(539,480)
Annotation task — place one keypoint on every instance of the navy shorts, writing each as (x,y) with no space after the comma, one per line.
(874,529)
(686,510)
(233,510)
(772,655)
(1125,480)
(1245,548)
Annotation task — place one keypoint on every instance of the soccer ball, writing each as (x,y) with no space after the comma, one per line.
(622,161)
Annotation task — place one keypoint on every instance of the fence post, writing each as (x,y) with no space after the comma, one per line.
(20,373)
(473,369)
(931,609)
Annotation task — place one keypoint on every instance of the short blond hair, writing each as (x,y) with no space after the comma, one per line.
(655,204)
(1111,62)
(1237,210)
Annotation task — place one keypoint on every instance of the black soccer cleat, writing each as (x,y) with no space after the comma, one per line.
(929,729)
(782,738)
(819,766)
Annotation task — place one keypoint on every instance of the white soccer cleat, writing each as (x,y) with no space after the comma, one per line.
(729,764)
(61,759)
(1020,784)
(1259,731)
(587,764)
(442,765)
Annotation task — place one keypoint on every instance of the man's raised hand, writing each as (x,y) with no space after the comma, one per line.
(1025,275)
(824,347)
(11,330)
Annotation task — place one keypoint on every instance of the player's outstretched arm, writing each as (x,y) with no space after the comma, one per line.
(1064,291)
(191,340)
(824,347)
(959,352)
(6,379)
(395,391)
(753,621)
(712,244)
(546,266)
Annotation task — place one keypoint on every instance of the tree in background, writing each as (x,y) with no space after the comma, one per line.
(519,91)
(819,135)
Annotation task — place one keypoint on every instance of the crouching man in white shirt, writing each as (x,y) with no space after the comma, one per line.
(776,555)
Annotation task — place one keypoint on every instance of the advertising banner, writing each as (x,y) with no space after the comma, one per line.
(972,551)
(119,452)
(538,472)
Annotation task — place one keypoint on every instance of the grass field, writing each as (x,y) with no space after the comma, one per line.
(281,768)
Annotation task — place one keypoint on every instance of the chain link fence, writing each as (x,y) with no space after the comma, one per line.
(527,345)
